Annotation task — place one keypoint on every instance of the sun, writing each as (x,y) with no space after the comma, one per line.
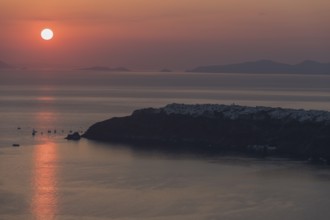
(47,34)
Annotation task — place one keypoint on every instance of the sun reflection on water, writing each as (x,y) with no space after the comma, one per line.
(44,201)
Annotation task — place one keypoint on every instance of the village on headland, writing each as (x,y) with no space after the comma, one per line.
(260,131)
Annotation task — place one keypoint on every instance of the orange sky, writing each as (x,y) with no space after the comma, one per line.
(179,34)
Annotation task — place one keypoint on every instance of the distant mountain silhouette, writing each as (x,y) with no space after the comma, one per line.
(267,66)
(4,65)
(105,68)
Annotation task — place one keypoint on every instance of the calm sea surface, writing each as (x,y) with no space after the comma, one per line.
(50,178)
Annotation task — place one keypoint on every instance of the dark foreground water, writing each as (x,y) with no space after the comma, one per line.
(48,177)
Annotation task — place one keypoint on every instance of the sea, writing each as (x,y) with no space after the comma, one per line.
(49,178)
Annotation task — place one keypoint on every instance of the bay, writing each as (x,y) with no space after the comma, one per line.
(48,177)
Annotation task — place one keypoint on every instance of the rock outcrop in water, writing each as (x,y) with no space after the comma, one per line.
(297,133)
(75,136)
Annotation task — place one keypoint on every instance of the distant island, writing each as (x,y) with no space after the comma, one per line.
(4,65)
(263,131)
(104,68)
(165,70)
(266,66)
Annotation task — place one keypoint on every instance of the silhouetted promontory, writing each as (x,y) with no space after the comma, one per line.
(263,130)
(105,68)
(267,66)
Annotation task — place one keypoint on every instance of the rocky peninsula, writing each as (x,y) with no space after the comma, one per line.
(303,134)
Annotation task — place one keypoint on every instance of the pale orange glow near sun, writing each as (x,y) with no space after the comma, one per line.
(47,34)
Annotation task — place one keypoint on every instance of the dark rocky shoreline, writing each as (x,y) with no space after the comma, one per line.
(261,131)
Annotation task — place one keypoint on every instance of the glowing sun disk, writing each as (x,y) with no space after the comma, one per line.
(47,34)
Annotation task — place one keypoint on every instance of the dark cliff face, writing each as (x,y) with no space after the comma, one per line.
(290,137)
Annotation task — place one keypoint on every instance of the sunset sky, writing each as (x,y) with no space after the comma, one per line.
(153,34)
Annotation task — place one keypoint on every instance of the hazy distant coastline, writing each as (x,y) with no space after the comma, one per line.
(260,66)
(4,65)
(267,66)
(105,68)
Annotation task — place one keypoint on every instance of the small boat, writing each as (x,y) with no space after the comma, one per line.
(15,145)
(34,132)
